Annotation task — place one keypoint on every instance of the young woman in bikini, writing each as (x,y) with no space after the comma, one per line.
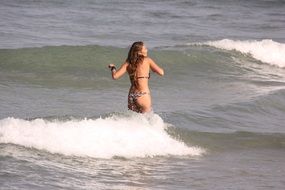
(138,66)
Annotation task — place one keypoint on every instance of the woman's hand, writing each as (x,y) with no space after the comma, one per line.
(111,65)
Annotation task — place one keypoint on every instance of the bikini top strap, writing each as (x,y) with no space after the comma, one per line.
(143,77)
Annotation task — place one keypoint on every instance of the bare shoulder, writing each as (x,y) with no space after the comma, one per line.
(149,60)
(154,67)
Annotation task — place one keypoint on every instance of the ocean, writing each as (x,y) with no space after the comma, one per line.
(218,119)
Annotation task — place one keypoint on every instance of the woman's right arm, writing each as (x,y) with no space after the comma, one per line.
(155,68)
(116,74)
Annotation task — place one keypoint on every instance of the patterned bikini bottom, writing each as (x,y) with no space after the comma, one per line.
(132,101)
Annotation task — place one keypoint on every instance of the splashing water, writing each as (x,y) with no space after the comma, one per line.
(267,51)
(133,136)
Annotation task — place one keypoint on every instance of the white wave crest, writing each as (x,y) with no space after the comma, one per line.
(267,51)
(132,136)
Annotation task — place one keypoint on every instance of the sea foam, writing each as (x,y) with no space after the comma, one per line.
(267,51)
(126,136)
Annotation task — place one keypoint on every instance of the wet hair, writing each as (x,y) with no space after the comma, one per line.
(134,59)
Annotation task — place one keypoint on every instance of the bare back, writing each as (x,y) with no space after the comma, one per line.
(142,76)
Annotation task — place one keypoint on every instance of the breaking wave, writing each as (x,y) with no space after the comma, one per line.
(125,136)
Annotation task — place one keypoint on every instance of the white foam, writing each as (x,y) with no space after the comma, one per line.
(127,136)
(267,51)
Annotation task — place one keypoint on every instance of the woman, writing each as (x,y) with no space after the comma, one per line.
(138,66)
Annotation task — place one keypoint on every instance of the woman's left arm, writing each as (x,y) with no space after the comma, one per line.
(116,74)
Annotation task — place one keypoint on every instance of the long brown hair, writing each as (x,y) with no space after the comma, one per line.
(134,59)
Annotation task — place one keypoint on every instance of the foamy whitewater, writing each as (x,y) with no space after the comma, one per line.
(134,136)
(267,51)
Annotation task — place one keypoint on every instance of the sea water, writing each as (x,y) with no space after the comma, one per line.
(218,113)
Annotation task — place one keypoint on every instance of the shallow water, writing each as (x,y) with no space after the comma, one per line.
(218,120)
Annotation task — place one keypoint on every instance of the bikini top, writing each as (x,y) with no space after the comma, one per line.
(142,77)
